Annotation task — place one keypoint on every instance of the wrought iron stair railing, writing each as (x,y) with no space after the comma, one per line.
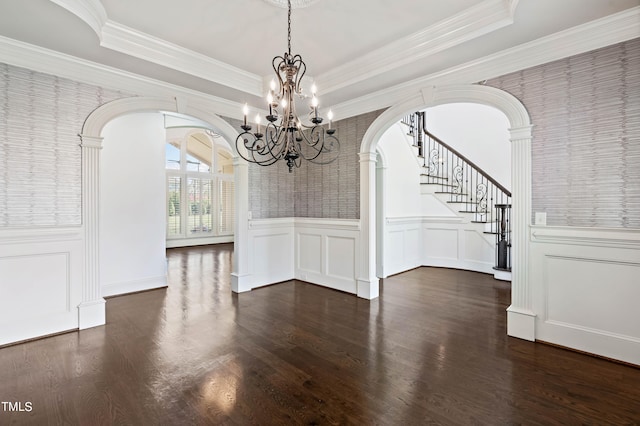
(464,184)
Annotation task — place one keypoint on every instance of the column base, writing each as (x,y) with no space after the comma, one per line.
(368,289)
(240,283)
(521,324)
(92,314)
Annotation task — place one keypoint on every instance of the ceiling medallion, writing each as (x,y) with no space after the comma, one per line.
(285,136)
(295,4)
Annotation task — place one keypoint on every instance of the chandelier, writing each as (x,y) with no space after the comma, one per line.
(285,136)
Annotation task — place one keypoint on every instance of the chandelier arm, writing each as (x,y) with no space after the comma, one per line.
(329,149)
(248,147)
(275,142)
(276,68)
(256,152)
(313,142)
(302,70)
(329,160)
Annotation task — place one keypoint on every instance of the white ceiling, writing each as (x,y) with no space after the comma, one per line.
(352,47)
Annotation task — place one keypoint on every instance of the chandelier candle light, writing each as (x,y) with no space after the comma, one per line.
(290,140)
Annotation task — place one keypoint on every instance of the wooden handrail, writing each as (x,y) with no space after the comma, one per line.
(462,157)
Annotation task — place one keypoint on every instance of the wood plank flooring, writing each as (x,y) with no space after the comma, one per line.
(431,350)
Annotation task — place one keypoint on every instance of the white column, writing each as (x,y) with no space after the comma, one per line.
(520,315)
(240,276)
(381,208)
(91,311)
(368,287)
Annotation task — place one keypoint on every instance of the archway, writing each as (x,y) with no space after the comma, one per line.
(92,308)
(520,315)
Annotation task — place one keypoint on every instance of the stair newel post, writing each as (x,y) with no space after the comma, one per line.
(509,237)
(503,245)
(420,134)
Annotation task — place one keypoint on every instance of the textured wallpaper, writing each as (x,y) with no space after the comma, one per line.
(40,171)
(320,191)
(333,190)
(586,136)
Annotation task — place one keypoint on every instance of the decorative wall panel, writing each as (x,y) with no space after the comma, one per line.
(40,171)
(587,290)
(585,112)
(40,282)
(326,252)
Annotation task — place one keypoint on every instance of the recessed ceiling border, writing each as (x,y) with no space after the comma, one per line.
(473,22)
(612,29)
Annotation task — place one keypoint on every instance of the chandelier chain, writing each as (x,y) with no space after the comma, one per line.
(289,27)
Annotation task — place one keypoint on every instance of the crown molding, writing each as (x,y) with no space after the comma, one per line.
(606,31)
(612,29)
(90,11)
(144,46)
(471,23)
(48,61)
(137,44)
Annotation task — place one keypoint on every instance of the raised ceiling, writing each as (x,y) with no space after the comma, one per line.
(352,48)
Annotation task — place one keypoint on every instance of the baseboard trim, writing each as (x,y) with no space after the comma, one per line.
(368,289)
(135,286)
(521,324)
(606,358)
(92,314)
(33,339)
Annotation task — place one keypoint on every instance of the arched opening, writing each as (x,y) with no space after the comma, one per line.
(431,215)
(92,308)
(521,319)
(199,185)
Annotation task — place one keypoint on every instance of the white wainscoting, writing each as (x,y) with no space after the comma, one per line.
(457,243)
(271,248)
(319,251)
(326,252)
(586,284)
(403,248)
(442,241)
(40,282)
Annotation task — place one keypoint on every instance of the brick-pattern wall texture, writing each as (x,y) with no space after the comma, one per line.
(313,190)
(585,112)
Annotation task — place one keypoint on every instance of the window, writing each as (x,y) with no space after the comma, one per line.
(200,187)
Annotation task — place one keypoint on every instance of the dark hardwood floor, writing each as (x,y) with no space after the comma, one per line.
(431,350)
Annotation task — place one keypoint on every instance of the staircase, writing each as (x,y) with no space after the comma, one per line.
(465,186)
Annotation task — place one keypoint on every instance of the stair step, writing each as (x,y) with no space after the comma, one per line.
(434,176)
(448,192)
(491,232)
(440,184)
(478,221)
(462,202)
